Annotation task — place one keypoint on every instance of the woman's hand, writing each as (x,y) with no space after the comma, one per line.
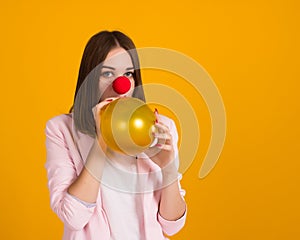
(162,153)
(97,112)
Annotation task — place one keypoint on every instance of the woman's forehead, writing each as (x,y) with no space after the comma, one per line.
(118,57)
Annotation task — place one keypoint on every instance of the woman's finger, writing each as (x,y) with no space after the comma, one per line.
(165,147)
(96,110)
(165,135)
(162,127)
(105,102)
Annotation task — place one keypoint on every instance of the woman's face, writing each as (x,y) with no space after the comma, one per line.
(117,63)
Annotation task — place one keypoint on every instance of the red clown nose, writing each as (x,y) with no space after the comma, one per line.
(121,85)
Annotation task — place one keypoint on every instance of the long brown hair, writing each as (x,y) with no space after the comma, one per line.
(87,92)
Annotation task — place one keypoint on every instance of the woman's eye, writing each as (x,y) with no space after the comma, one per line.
(107,74)
(128,74)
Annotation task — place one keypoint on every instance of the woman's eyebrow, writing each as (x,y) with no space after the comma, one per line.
(112,68)
(109,67)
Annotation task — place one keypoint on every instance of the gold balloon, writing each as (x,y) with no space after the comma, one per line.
(127,125)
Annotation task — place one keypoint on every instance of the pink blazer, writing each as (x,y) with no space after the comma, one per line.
(65,160)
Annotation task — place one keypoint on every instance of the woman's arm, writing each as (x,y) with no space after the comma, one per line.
(172,205)
(86,186)
(63,182)
(61,168)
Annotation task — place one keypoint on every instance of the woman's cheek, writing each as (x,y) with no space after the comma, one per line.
(106,92)
(131,88)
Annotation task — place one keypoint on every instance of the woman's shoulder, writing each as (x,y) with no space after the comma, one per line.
(62,121)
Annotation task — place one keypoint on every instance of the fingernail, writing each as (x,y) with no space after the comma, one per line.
(156,113)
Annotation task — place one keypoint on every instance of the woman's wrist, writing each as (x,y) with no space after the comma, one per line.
(96,159)
(169,173)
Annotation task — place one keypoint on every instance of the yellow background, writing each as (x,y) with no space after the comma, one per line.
(251,50)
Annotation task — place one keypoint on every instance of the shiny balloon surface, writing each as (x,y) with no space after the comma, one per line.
(127,125)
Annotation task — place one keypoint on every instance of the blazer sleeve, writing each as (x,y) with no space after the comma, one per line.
(172,227)
(61,173)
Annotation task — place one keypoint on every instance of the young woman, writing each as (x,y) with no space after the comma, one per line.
(99,193)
